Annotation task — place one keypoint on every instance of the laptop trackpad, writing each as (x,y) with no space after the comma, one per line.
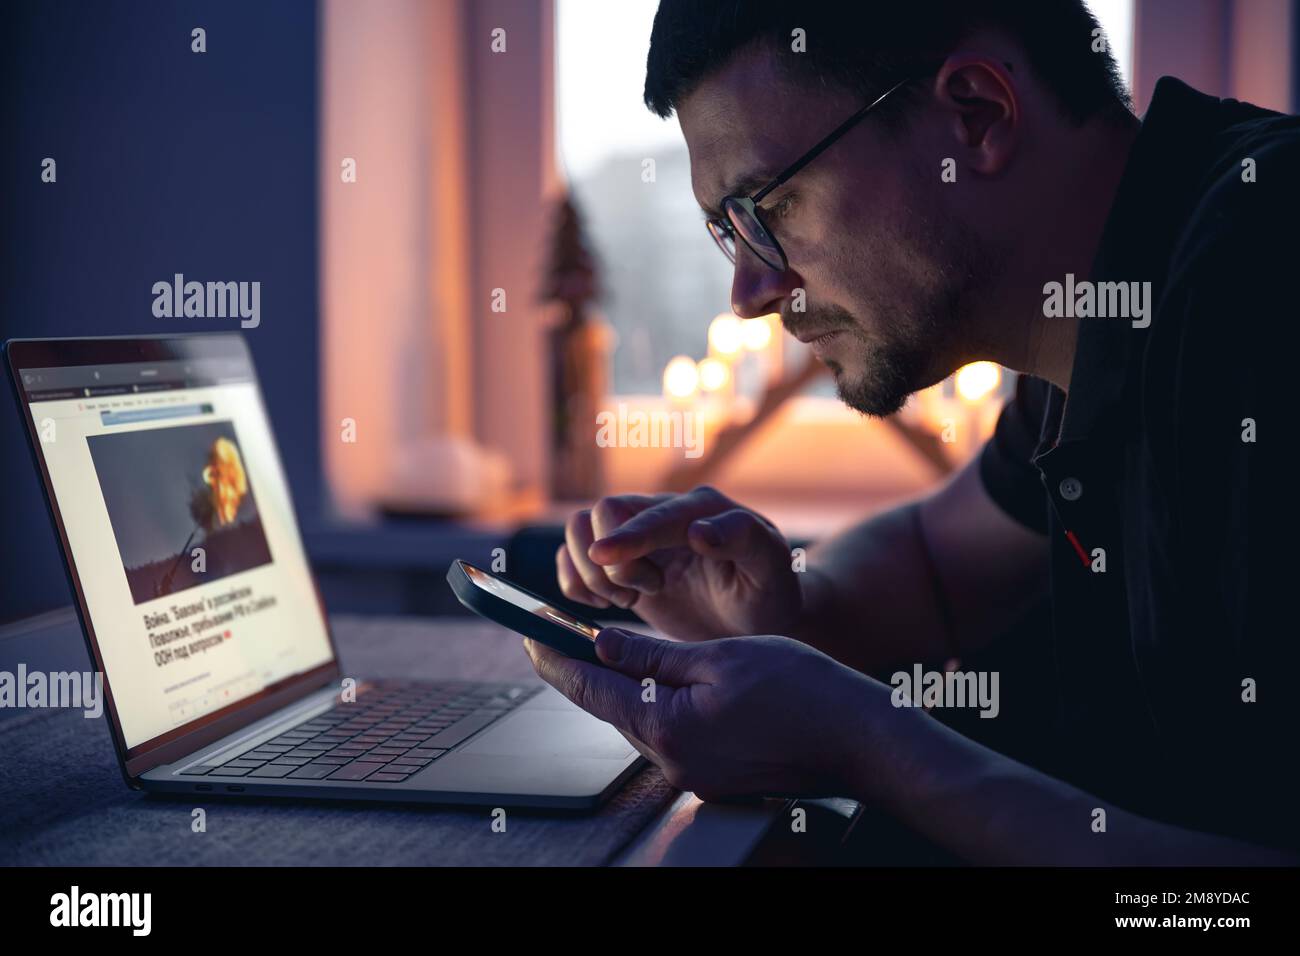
(551,733)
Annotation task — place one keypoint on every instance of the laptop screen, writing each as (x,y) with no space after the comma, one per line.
(180,525)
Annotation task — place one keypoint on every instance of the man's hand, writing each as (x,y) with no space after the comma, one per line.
(750,716)
(745,716)
(696,566)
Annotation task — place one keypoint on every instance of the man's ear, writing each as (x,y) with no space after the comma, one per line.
(980,96)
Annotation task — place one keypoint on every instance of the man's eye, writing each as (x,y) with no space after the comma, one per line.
(781,207)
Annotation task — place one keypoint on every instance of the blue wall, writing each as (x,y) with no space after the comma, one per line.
(168,161)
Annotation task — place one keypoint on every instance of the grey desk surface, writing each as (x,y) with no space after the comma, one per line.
(63,801)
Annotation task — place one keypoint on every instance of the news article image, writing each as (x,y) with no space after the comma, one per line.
(171,490)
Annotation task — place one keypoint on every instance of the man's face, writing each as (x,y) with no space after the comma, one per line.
(887,267)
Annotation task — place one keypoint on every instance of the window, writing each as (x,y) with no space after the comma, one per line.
(642,222)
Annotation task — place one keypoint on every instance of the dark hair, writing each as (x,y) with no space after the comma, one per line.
(868,45)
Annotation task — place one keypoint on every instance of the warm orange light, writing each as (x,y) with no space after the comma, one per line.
(757,333)
(725,335)
(681,378)
(713,374)
(977,381)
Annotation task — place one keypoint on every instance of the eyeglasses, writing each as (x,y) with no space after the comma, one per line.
(742,214)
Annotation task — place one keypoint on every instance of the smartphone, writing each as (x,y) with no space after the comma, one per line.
(511,606)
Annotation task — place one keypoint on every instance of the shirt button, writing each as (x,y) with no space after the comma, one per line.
(1071,489)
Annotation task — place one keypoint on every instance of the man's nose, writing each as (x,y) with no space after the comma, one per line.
(756,288)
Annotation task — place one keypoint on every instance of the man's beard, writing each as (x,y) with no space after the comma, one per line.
(887,380)
(909,349)
(890,364)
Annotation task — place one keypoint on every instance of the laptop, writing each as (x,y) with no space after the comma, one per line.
(200,610)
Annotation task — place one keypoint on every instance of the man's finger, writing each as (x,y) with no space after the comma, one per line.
(671,663)
(662,526)
(741,536)
(644,749)
(578,536)
(610,514)
(571,585)
(600,691)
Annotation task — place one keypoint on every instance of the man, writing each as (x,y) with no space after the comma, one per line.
(984,193)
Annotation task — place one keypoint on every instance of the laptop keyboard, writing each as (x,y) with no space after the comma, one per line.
(393,729)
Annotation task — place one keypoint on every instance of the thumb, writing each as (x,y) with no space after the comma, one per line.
(741,536)
(637,655)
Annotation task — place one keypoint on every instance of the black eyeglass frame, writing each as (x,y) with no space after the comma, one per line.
(722,229)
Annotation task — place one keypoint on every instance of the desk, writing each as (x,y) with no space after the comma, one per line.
(63,801)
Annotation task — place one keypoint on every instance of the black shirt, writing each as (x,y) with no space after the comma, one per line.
(1146,467)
